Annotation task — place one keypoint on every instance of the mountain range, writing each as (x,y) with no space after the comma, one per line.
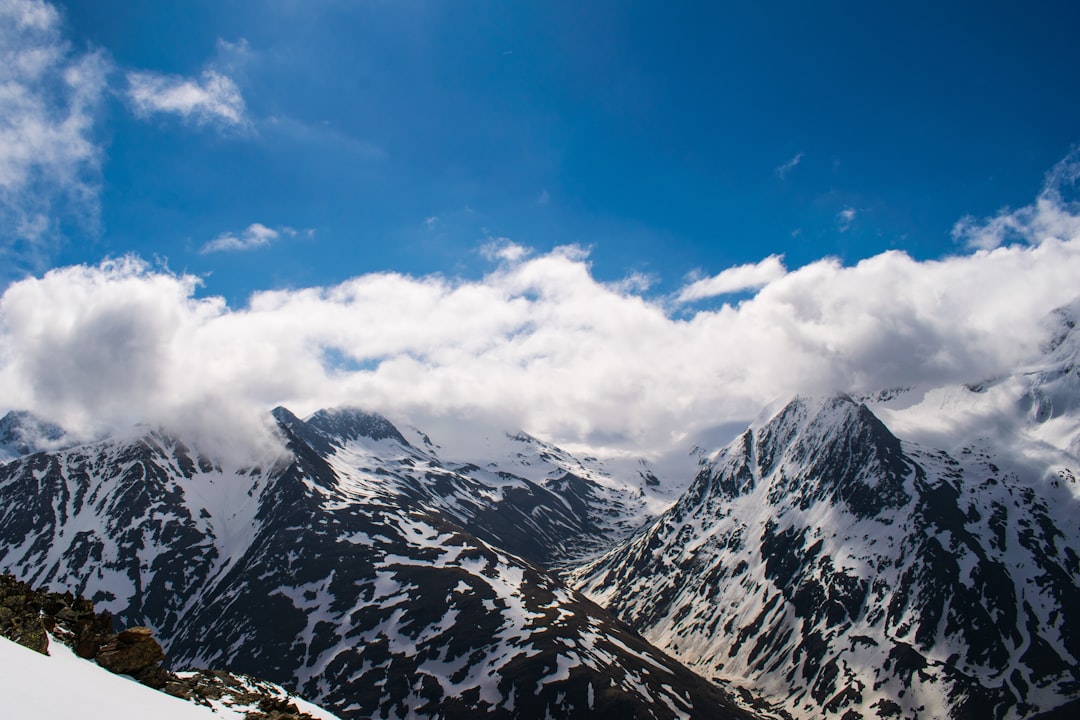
(358,569)
(904,553)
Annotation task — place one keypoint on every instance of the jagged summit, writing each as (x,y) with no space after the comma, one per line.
(843,572)
(344,424)
(839,443)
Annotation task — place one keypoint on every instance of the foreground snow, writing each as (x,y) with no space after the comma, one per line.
(62,685)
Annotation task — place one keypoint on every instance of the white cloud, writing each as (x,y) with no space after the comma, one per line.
(431,222)
(543,198)
(845,218)
(538,344)
(1050,216)
(783,170)
(735,279)
(213,98)
(504,249)
(49,97)
(253,236)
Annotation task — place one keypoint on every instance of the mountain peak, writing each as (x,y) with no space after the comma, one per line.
(345,424)
(813,449)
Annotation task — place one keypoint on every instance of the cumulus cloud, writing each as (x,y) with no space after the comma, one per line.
(213,98)
(735,279)
(538,343)
(49,97)
(253,236)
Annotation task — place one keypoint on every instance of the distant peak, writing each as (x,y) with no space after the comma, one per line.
(23,433)
(346,424)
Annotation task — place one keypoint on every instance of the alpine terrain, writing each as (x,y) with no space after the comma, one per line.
(357,569)
(911,553)
(914,554)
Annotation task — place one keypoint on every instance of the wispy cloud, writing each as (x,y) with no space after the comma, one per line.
(49,99)
(1051,215)
(846,218)
(432,222)
(253,236)
(735,279)
(213,98)
(783,170)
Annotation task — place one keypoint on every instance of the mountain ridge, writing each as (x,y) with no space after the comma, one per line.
(343,571)
(841,571)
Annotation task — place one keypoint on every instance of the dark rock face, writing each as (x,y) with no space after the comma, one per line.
(857,576)
(353,570)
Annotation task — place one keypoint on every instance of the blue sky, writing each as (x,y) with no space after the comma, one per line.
(611,224)
(667,139)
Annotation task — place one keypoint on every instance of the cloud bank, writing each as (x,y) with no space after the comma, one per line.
(537,344)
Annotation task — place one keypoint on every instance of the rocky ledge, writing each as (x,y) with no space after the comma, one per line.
(29,617)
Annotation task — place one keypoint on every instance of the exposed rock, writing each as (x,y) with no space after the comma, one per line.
(29,616)
(260,700)
(134,652)
(20,612)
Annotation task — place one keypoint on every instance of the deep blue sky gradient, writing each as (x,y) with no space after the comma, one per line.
(650,132)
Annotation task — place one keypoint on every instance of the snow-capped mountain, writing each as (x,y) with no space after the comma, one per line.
(357,569)
(909,553)
(840,571)
(526,496)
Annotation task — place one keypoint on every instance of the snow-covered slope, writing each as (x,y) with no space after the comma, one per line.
(61,686)
(353,569)
(526,496)
(840,571)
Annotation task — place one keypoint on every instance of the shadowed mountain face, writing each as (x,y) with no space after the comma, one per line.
(352,569)
(841,572)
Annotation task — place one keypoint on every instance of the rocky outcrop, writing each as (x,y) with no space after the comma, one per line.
(29,617)
(260,700)
(134,652)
